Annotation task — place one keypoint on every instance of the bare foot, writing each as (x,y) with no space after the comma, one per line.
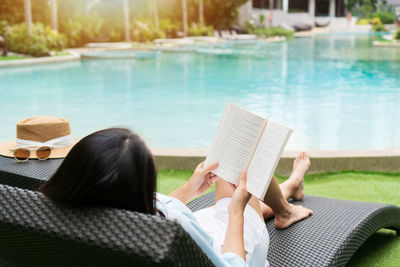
(291,215)
(300,166)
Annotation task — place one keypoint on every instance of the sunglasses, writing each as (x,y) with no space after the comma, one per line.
(22,154)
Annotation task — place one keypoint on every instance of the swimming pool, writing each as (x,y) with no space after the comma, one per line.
(335,91)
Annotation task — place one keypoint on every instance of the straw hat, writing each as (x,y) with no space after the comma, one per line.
(42,131)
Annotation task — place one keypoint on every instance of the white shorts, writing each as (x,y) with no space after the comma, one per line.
(214,221)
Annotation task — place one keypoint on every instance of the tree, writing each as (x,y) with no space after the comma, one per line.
(54,18)
(12,11)
(28,15)
(222,13)
(155,11)
(126,20)
(201,13)
(184,17)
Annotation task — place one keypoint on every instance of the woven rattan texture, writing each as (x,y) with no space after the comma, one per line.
(27,175)
(329,237)
(36,232)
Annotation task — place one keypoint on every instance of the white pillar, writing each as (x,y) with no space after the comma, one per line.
(28,15)
(127,21)
(285,5)
(332,7)
(271,11)
(311,8)
(54,19)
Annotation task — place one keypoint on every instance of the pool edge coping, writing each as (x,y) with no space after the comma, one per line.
(321,160)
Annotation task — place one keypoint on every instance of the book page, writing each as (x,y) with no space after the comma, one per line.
(235,142)
(266,158)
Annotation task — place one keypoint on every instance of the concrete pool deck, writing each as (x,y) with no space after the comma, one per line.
(321,161)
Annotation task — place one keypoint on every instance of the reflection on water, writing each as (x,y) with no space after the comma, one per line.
(337,92)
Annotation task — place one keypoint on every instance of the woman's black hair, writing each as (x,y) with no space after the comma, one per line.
(112,168)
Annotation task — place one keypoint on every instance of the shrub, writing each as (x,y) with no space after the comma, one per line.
(397,34)
(249,26)
(272,31)
(201,31)
(3,27)
(169,28)
(145,32)
(267,31)
(363,21)
(377,25)
(73,29)
(40,43)
(89,28)
(385,17)
(261,19)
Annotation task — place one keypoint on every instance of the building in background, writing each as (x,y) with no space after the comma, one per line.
(292,11)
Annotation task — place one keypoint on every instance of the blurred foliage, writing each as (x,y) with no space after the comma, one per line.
(267,32)
(385,17)
(377,25)
(40,43)
(89,28)
(273,31)
(170,28)
(146,32)
(397,34)
(196,30)
(103,20)
(3,27)
(221,13)
(363,21)
(368,9)
(13,11)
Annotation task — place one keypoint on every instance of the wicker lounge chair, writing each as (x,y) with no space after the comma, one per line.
(35,231)
(27,175)
(329,237)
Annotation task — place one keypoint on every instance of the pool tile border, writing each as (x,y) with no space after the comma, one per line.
(321,161)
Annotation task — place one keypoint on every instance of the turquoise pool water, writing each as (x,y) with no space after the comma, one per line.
(336,91)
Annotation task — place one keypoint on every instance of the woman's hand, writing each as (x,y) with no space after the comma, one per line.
(200,181)
(202,178)
(240,197)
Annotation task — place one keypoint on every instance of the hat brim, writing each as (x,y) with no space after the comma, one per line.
(56,153)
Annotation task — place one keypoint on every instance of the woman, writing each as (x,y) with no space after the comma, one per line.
(114,168)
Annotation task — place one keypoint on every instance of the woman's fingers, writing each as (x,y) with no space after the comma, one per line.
(211,178)
(214,179)
(210,168)
(200,165)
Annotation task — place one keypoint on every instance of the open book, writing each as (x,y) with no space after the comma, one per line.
(245,141)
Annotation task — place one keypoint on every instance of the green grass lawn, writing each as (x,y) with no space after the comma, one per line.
(11,58)
(56,54)
(383,248)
